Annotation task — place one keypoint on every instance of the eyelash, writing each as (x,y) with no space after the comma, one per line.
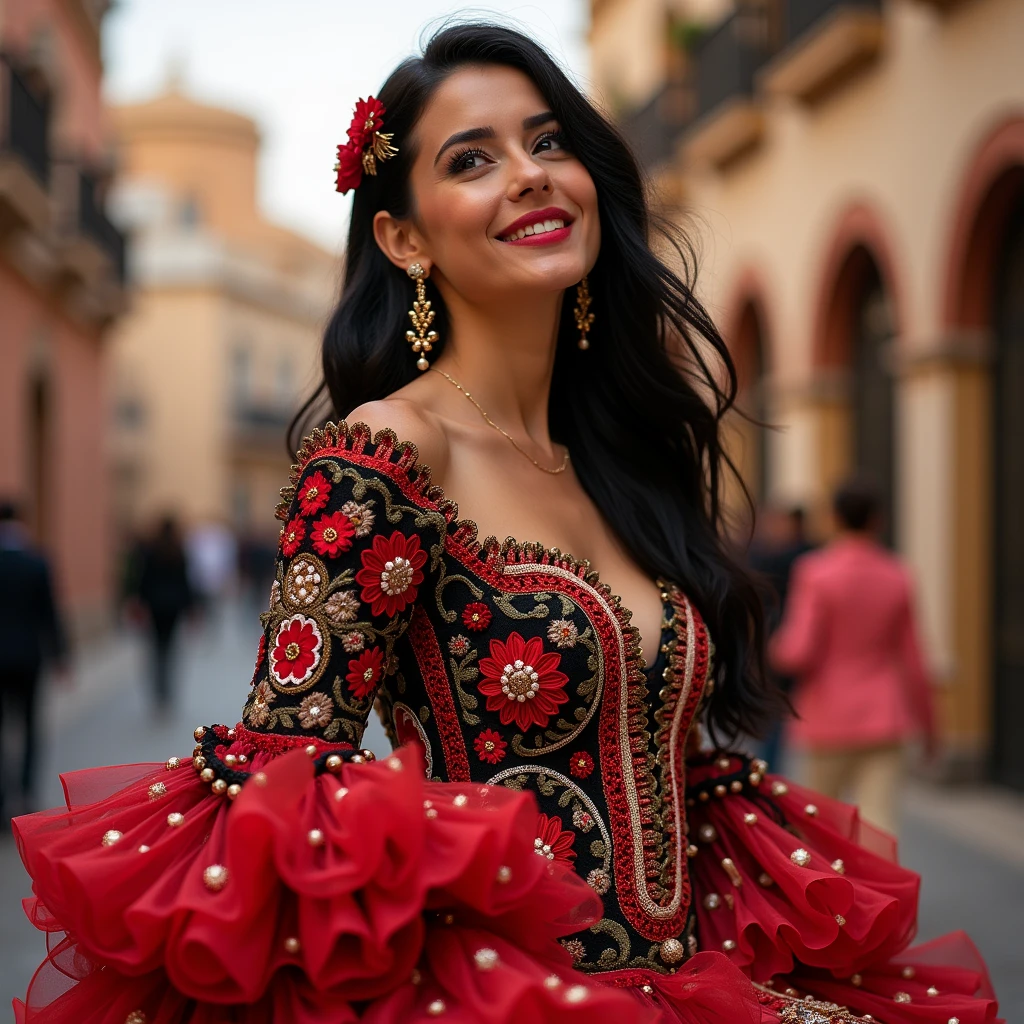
(460,155)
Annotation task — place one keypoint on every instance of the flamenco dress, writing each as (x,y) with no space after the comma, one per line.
(547,843)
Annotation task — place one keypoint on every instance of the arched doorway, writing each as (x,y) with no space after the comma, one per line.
(749,344)
(1008,501)
(856,341)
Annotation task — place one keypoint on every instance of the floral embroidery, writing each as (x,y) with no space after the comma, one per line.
(292,536)
(553,841)
(364,672)
(354,641)
(303,582)
(476,616)
(600,881)
(563,633)
(360,516)
(261,653)
(490,747)
(342,606)
(522,681)
(332,535)
(582,819)
(275,594)
(575,949)
(296,650)
(316,710)
(314,494)
(392,571)
(259,711)
(581,764)
(459,645)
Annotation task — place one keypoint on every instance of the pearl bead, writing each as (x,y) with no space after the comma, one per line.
(111,837)
(504,874)
(215,877)
(436,1008)
(315,837)
(486,959)
(334,763)
(175,819)
(292,944)
(576,993)
(172,763)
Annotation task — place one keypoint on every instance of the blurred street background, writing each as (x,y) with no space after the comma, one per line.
(851,173)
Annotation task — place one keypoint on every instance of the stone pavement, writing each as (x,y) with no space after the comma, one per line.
(967,843)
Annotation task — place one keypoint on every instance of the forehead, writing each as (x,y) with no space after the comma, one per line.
(479,95)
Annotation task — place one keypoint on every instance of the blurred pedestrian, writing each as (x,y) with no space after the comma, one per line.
(850,636)
(31,634)
(163,590)
(781,539)
(212,557)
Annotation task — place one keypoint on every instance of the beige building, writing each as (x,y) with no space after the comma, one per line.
(223,340)
(854,172)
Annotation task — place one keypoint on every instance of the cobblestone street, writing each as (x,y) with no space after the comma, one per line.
(969,845)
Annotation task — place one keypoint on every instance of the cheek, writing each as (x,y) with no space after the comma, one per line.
(459,220)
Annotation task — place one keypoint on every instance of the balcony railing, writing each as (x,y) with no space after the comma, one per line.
(728,59)
(652,130)
(24,123)
(93,223)
(823,42)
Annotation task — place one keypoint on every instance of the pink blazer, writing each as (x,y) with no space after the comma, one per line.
(849,635)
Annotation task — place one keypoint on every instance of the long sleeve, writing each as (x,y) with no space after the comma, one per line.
(360,542)
(794,645)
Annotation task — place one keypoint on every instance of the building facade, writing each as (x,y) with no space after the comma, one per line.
(222,342)
(854,172)
(61,290)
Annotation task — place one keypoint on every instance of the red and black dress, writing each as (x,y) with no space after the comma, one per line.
(546,845)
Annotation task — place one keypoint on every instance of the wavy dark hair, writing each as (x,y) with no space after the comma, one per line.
(641,410)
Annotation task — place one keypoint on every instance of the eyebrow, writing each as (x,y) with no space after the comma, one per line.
(487,132)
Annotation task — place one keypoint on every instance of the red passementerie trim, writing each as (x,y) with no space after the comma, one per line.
(431,665)
(277,743)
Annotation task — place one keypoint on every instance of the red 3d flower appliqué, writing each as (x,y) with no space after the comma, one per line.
(332,534)
(581,764)
(292,536)
(522,681)
(490,747)
(364,672)
(296,650)
(554,842)
(314,494)
(392,570)
(476,616)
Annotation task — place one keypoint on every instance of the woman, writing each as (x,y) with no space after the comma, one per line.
(573,854)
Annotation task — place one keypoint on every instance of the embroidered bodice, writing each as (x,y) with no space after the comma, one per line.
(511,664)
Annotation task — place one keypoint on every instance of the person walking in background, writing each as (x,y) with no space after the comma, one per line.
(780,541)
(849,635)
(31,634)
(164,594)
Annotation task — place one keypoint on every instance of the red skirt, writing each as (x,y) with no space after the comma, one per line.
(376,896)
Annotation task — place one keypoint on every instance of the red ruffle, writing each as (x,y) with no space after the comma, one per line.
(394,859)
(832,921)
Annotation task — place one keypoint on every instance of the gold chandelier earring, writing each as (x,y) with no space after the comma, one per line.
(422,316)
(584,318)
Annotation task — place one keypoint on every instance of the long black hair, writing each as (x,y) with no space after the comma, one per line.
(640,411)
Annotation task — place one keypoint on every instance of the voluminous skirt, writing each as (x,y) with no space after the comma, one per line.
(369,894)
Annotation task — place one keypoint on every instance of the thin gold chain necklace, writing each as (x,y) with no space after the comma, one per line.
(565,460)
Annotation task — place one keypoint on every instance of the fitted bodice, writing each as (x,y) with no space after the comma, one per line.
(510,664)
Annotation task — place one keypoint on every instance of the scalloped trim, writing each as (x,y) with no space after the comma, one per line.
(414,477)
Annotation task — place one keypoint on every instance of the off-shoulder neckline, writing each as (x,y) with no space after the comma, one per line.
(356,435)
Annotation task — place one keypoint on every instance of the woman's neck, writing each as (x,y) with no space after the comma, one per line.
(504,355)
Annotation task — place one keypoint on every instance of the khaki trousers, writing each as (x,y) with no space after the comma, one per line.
(869,777)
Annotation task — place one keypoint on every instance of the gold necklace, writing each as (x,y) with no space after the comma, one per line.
(565,460)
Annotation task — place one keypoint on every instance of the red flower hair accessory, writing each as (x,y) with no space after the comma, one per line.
(366,145)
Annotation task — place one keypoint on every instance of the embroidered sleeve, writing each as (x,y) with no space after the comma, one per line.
(362,537)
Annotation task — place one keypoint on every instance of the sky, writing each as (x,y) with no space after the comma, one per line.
(297,67)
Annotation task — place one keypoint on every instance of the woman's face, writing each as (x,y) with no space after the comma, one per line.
(470,193)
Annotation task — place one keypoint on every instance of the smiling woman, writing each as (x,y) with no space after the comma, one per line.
(551,843)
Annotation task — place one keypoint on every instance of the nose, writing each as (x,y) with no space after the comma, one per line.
(528,175)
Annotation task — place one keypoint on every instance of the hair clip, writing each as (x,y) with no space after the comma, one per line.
(366,145)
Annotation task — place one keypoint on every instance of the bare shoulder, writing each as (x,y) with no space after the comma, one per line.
(412,423)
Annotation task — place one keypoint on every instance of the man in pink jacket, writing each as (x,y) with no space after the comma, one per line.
(850,637)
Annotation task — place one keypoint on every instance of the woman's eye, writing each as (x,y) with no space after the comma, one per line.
(552,141)
(461,161)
